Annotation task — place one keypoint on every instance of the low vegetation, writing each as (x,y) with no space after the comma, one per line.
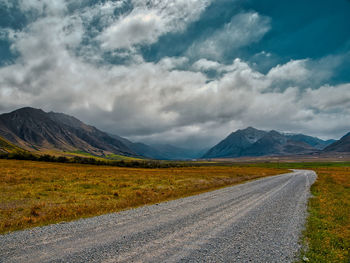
(39,193)
(78,157)
(7,147)
(116,157)
(300,165)
(327,234)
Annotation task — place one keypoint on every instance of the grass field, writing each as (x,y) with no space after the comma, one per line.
(39,193)
(327,231)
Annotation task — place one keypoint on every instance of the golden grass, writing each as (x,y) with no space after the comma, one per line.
(328,227)
(39,193)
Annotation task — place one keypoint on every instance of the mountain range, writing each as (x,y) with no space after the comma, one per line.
(343,145)
(254,142)
(162,151)
(35,130)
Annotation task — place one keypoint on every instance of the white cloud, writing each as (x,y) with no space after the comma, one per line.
(138,28)
(149,20)
(153,100)
(44,7)
(329,98)
(206,65)
(173,62)
(242,30)
(295,70)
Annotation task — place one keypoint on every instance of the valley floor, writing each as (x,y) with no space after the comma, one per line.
(40,193)
(259,221)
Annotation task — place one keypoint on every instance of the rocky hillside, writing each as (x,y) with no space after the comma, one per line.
(34,129)
(343,145)
(254,142)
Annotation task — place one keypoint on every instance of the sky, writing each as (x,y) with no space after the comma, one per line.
(184,72)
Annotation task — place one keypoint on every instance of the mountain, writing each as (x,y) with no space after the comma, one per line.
(35,129)
(312,141)
(275,143)
(343,145)
(7,147)
(162,151)
(170,152)
(142,149)
(235,143)
(253,142)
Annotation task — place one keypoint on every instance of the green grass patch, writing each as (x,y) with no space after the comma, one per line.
(82,153)
(327,233)
(300,165)
(121,157)
(8,147)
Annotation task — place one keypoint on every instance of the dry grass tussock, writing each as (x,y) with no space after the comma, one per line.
(39,193)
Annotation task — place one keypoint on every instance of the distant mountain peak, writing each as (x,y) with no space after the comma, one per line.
(249,129)
(68,120)
(342,145)
(235,143)
(254,142)
(27,111)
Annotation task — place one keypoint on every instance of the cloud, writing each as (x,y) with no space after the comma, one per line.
(43,7)
(206,65)
(173,62)
(138,28)
(293,70)
(170,100)
(148,21)
(242,30)
(329,98)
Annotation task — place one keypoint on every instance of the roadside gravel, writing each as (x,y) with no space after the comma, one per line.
(259,221)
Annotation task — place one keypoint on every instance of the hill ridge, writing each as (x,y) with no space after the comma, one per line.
(36,129)
(254,142)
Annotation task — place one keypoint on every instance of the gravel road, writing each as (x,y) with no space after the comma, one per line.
(259,221)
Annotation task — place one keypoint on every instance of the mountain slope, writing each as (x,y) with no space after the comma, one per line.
(171,152)
(7,147)
(235,143)
(35,129)
(312,141)
(343,145)
(274,143)
(253,142)
(142,149)
(162,151)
